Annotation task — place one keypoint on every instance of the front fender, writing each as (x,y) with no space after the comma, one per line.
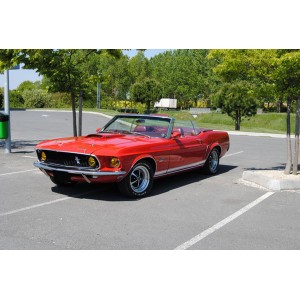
(141,157)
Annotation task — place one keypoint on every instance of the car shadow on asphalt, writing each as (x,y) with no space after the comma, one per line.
(110,192)
(166,184)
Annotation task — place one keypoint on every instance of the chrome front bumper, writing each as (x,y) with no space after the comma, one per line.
(77,171)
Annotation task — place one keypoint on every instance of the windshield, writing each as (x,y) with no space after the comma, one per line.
(150,126)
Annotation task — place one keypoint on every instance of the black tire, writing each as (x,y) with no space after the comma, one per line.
(211,166)
(138,183)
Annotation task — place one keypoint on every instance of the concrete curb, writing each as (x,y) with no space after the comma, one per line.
(274,180)
(259,134)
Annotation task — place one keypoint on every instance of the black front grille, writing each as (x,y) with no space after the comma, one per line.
(65,159)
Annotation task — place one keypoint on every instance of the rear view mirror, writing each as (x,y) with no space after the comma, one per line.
(98,130)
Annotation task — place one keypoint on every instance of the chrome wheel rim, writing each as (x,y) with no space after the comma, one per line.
(139,179)
(213,161)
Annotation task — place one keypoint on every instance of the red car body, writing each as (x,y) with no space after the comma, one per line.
(126,151)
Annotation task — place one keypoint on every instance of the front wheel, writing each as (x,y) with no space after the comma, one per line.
(211,166)
(138,183)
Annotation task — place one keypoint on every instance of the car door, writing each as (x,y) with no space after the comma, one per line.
(186,150)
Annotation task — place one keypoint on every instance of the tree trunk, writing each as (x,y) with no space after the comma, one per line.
(74,113)
(237,120)
(148,107)
(297,129)
(288,167)
(80,114)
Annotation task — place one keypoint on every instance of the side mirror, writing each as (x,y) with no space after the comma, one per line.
(175,135)
(98,130)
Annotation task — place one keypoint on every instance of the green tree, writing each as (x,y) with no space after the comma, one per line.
(253,65)
(118,78)
(184,74)
(16,99)
(272,72)
(26,85)
(287,80)
(253,68)
(236,99)
(146,91)
(139,67)
(63,67)
(36,98)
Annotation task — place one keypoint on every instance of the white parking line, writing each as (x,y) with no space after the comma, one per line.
(19,172)
(28,156)
(222,223)
(231,154)
(43,204)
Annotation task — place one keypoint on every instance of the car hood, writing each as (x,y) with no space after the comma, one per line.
(107,143)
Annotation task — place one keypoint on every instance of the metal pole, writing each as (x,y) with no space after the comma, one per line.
(7,110)
(98,94)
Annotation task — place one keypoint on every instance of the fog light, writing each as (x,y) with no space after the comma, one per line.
(43,156)
(114,162)
(92,161)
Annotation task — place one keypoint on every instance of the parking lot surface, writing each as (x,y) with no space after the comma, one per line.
(187,211)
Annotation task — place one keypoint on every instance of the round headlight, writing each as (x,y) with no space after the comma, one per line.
(92,161)
(43,156)
(114,162)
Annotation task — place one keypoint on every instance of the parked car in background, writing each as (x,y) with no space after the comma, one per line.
(132,150)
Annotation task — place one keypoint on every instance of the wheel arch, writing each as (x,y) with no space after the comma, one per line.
(147,158)
(215,146)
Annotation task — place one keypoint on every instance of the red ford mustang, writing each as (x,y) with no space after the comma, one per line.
(132,150)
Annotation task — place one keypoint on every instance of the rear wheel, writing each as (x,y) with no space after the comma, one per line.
(138,183)
(211,166)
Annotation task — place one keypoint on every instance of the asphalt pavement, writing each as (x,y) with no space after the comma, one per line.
(189,211)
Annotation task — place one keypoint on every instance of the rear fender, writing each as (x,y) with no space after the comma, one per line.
(221,142)
(215,145)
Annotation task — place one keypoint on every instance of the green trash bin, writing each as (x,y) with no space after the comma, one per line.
(4,126)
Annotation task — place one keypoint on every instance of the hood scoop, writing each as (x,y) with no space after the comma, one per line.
(103,135)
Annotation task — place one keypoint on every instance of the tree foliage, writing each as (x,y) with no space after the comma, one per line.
(237,100)
(146,91)
(273,73)
(184,74)
(236,95)
(36,98)
(65,68)
(287,79)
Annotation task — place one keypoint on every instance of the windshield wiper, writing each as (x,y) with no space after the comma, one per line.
(109,131)
(138,133)
(124,132)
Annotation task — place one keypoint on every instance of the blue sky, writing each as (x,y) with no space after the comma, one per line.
(18,76)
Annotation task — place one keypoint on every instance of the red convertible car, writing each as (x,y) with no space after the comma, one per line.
(132,150)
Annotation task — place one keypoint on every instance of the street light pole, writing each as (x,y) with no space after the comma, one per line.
(7,110)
